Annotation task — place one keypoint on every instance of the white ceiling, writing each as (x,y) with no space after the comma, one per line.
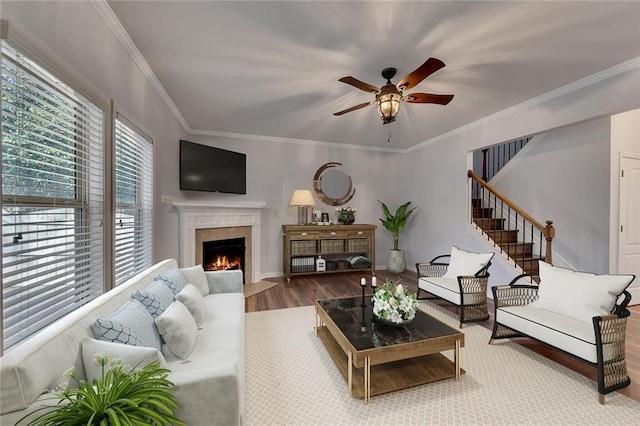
(271,68)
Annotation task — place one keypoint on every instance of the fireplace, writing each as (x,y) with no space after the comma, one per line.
(224,254)
(219,220)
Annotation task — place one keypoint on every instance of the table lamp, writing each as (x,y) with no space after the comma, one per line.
(303,199)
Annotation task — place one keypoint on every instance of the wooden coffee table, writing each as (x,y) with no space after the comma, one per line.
(376,358)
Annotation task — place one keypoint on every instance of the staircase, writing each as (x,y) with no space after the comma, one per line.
(513,232)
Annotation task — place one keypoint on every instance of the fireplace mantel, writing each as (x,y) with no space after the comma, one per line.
(218,214)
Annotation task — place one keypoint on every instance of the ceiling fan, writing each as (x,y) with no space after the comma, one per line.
(388,97)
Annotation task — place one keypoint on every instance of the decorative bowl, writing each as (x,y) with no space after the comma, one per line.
(391,323)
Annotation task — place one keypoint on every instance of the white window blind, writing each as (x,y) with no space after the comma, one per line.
(134,201)
(52,198)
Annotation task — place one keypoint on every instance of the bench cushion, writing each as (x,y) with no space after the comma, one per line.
(573,336)
(579,295)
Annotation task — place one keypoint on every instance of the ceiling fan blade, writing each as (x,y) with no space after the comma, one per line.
(353,108)
(359,84)
(428,98)
(423,71)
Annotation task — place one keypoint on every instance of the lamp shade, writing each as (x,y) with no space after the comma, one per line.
(302,197)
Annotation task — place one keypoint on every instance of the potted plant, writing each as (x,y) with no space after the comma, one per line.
(123,396)
(394,223)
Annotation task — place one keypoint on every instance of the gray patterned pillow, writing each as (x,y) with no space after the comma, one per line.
(174,279)
(132,324)
(156,297)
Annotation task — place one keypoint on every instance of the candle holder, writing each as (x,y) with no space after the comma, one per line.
(363,284)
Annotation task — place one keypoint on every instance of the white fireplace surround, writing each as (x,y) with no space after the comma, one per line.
(218,214)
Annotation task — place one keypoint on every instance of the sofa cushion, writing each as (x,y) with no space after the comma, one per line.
(178,329)
(132,324)
(466,263)
(132,356)
(174,279)
(196,276)
(191,298)
(156,297)
(445,288)
(579,295)
(571,335)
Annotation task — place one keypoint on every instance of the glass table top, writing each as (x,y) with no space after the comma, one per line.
(358,324)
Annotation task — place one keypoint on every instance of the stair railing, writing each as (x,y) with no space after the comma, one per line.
(494,158)
(512,220)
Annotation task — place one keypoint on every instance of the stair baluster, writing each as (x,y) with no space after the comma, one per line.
(512,230)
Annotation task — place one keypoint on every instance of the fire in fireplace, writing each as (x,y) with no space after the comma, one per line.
(222,255)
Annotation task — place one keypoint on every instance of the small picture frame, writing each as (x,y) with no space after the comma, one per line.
(325,217)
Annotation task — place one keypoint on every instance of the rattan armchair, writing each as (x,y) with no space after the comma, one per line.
(470,293)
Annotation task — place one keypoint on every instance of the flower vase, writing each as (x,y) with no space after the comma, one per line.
(346,218)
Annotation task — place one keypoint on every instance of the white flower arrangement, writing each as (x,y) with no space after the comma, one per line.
(346,209)
(392,302)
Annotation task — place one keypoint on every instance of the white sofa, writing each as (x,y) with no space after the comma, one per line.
(210,383)
(462,281)
(579,313)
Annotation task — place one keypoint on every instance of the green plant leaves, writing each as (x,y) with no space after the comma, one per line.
(394,223)
(124,397)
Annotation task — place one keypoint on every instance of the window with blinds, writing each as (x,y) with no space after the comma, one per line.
(52,198)
(134,201)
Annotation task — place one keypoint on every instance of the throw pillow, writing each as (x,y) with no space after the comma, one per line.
(466,263)
(174,279)
(178,329)
(579,295)
(132,324)
(156,297)
(132,356)
(191,298)
(196,276)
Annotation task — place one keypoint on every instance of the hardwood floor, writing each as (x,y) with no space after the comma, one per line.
(304,290)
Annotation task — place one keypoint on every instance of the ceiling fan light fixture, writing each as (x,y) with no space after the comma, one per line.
(389,105)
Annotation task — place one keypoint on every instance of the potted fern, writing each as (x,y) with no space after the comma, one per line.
(394,223)
(124,396)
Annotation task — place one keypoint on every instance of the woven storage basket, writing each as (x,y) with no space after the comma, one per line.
(331,246)
(300,248)
(355,245)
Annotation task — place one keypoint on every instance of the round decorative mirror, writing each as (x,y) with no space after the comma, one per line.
(333,186)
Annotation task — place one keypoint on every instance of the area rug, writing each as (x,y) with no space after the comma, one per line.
(251,289)
(291,380)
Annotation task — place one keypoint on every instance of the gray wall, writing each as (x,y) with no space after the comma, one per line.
(432,176)
(565,178)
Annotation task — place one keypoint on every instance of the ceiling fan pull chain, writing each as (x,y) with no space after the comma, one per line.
(389,138)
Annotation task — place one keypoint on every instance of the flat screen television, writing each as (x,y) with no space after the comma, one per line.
(206,168)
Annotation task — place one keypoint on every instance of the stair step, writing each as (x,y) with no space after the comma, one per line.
(517,249)
(482,212)
(476,202)
(501,236)
(489,223)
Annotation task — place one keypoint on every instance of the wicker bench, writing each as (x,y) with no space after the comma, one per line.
(461,281)
(584,315)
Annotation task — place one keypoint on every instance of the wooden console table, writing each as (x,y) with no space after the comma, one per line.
(302,244)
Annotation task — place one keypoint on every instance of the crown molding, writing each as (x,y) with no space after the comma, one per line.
(571,87)
(121,34)
(278,139)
